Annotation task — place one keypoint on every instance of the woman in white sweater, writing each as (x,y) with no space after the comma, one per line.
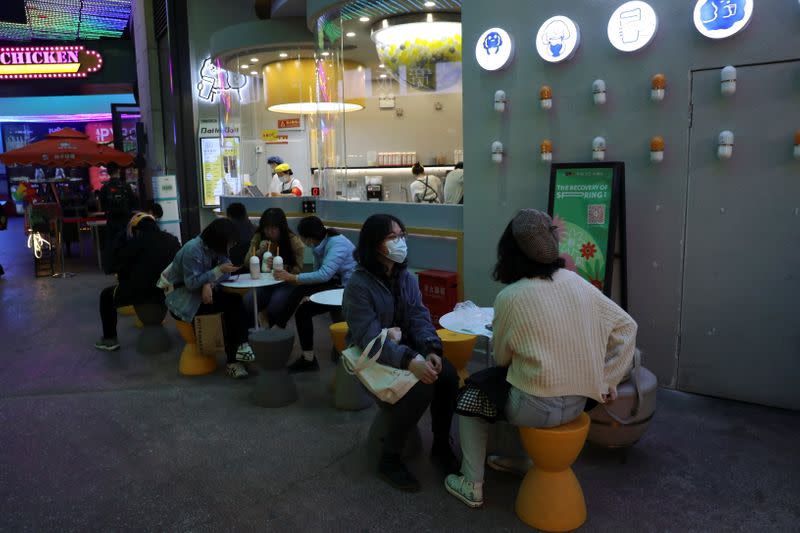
(560,338)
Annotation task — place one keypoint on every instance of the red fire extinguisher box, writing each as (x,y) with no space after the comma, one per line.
(439,292)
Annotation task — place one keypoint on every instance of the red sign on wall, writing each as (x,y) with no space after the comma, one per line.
(288,123)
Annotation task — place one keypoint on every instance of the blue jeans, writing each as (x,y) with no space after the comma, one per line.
(522,409)
(274,299)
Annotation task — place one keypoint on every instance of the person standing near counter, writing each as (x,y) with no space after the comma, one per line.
(275,184)
(288,183)
(454,185)
(424,188)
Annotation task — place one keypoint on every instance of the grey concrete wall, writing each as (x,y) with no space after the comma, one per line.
(656,194)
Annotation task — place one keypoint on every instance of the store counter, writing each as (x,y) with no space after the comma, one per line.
(435,232)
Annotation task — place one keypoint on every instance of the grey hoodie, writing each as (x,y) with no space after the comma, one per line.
(369,306)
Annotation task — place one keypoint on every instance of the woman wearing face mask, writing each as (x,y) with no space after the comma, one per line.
(333,265)
(273,235)
(194,276)
(382,293)
(288,183)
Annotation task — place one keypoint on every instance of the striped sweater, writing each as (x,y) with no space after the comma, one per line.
(562,337)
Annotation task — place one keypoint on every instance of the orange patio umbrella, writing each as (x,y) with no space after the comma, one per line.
(66,148)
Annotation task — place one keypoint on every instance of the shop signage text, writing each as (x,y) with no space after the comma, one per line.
(288,123)
(26,62)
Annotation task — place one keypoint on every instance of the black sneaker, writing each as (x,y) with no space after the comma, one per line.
(304,365)
(392,470)
(445,459)
(107,345)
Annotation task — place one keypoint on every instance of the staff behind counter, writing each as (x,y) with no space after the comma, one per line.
(283,180)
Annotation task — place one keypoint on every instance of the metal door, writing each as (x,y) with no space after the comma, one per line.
(740,320)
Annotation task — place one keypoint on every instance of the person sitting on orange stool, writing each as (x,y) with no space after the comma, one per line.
(557,340)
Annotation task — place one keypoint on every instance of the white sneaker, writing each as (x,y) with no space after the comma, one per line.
(470,493)
(245,353)
(236,370)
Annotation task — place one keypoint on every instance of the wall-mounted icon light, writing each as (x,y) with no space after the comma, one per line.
(494,49)
(599,92)
(657,149)
(599,149)
(658,87)
(557,39)
(497,152)
(725,149)
(718,19)
(546,97)
(728,79)
(546,150)
(632,26)
(500,101)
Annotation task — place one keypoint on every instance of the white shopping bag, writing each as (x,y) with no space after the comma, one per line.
(387,383)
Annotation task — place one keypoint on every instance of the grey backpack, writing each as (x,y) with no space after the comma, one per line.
(622,422)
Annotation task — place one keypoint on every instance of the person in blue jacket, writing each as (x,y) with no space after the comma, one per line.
(333,265)
(193,289)
(383,294)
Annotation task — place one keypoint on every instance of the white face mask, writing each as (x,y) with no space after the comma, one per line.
(397,250)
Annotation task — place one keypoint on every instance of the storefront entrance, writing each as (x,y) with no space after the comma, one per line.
(740,329)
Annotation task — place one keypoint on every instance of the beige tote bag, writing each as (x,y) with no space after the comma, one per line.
(387,383)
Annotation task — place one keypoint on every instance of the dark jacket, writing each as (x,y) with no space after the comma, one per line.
(369,305)
(140,261)
(244,231)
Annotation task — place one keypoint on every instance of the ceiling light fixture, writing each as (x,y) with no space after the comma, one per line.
(350,34)
(325,54)
(254,60)
(283,54)
(430,4)
(364,19)
(418,43)
(253,73)
(308,86)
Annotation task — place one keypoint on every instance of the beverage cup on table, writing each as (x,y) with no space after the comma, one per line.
(255,267)
(265,262)
(277,263)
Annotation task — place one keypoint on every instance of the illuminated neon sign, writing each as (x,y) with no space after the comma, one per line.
(27,62)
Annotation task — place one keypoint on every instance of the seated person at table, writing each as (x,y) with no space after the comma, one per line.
(195,275)
(560,338)
(244,231)
(382,293)
(138,262)
(333,266)
(273,235)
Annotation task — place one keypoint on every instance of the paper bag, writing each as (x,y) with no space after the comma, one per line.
(208,330)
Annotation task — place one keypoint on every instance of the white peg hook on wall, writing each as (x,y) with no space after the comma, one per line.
(497,152)
(725,149)
(500,101)
(599,149)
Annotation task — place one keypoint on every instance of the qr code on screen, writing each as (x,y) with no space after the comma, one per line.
(596,215)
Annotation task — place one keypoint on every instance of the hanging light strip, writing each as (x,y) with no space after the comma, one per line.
(69,20)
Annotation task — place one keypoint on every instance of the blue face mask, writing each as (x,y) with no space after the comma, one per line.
(397,250)
(555,49)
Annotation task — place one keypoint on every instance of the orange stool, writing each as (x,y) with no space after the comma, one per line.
(550,497)
(338,335)
(126,310)
(458,349)
(192,362)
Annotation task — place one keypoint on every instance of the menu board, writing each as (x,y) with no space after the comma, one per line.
(220,167)
(586,203)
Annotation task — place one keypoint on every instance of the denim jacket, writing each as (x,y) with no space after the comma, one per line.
(333,257)
(370,306)
(194,266)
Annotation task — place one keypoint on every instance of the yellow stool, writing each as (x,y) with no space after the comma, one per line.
(550,497)
(338,335)
(192,362)
(458,349)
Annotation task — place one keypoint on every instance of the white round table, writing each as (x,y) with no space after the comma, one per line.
(331,297)
(244,281)
(453,322)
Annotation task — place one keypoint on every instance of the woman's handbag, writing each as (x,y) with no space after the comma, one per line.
(387,383)
(622,422)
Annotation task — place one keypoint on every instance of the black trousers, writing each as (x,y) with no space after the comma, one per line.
(234,321)
(108,312)
(405,414)
(304,313)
